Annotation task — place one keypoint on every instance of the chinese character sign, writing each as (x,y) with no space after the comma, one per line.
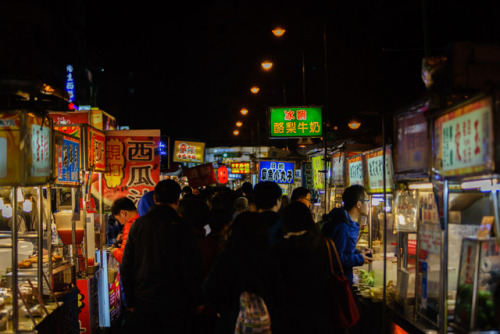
(289,122)
(188,151)
(375,169)
(464,139)
(67,160)
(318,168)
(132,164)
(412,142)
(240,168)
(275,171)
(338,162)
(355,172)
(96,150)
(40,150)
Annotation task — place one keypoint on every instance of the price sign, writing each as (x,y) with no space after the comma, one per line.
(464,139)
(375,170)
(355,170)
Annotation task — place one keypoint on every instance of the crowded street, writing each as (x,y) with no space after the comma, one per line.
(303,167)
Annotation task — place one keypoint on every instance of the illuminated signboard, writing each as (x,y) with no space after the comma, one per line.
(355,172)
(375,167)
(189,151)
(289,122)
(318,167)
(70,83)
(240,167)
(276,171)
(463,139)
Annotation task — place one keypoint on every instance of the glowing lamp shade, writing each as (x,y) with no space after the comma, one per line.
(222,174)
(278,32)
(236,132)
(354,125)
(255,89)
(244,111)
(7,211)
(238,124)
(27,206)
(20,197)
(266,65)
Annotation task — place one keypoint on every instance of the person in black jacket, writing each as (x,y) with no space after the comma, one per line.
(239,268)
(162,269)
(268,200)
(300,302)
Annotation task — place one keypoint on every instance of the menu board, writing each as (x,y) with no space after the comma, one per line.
(463,140)
(355,171)
(338,163)
(375,170)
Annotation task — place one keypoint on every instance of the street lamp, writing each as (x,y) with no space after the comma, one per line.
(354,124)
(255,89)
(278,32)
(266,65)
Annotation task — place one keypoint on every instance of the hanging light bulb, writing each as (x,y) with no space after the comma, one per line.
(236,132)
(266,65)
(244,111)
(354,124)
(238,124)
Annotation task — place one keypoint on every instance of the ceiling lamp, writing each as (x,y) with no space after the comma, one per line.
(236,132)
(354,124)
(255,89)
(244,111)
(238,124)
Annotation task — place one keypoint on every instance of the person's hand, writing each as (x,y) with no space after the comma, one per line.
(367,251)
(367,259)
(119,237)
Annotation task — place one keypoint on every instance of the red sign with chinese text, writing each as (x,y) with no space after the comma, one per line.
(132,164)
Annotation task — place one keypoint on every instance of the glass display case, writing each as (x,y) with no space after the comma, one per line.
(477,280)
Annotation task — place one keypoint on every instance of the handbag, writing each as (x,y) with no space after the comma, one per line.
(344,310)
(253,317)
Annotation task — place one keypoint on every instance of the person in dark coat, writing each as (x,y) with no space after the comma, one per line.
(239,268)
(268,200)
(195,211)
(300,303)
(162,269)
(342,227)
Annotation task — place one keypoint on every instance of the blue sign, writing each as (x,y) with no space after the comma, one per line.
(68,163)
(275,171)
(70,83)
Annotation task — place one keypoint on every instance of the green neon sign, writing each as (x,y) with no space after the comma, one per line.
(289,122)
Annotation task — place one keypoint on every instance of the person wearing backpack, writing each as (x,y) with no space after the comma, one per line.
(238,270)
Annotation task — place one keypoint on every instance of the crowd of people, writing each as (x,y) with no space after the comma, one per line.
(187,255)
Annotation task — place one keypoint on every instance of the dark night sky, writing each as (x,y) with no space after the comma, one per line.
(187,70)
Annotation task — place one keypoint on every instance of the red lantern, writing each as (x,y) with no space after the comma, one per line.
(222,174)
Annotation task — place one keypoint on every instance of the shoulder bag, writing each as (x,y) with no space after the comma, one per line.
(345,313)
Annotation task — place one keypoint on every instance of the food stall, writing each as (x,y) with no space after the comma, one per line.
(338,178)
(27,261)
(84,219)
(465,162)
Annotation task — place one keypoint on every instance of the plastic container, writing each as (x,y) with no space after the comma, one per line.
(24,251)
(63,227)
